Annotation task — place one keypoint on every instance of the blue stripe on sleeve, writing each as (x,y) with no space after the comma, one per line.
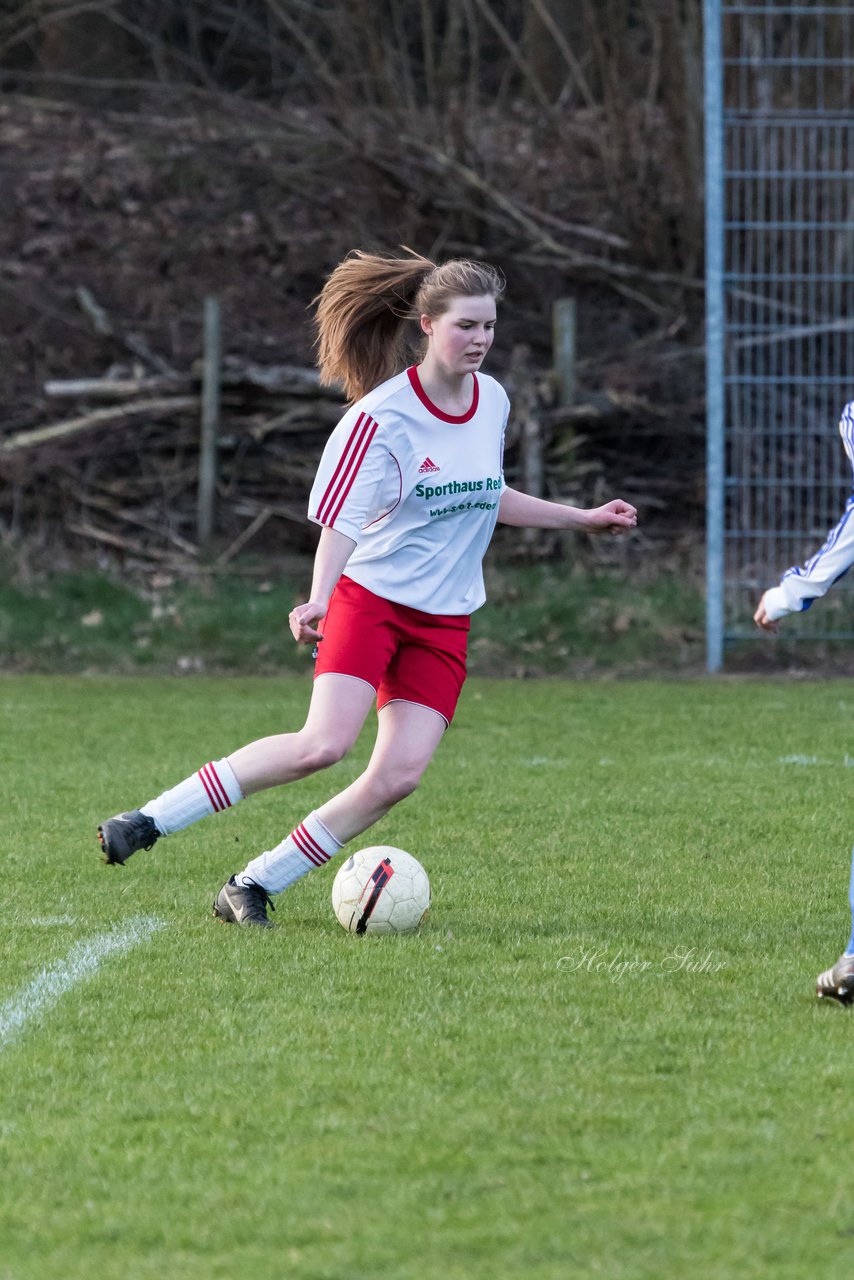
(846,430)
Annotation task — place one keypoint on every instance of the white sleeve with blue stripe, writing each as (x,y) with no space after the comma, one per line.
(801,585)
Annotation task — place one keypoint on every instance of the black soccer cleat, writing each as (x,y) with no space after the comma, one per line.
(837,983)
(125,834)
(243,904)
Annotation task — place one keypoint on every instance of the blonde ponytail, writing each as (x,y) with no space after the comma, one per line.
(366,304)
(361,317)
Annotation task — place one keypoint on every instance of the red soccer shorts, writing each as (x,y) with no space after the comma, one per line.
(407,655)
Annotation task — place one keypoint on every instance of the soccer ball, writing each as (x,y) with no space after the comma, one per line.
(381,890)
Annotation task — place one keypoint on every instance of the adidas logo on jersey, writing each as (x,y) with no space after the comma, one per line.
(427,466)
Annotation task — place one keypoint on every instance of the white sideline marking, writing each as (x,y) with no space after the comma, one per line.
(82,960)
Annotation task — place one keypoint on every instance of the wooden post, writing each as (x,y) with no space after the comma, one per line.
(533,473)
(209,439)
(563,345)
(526,412)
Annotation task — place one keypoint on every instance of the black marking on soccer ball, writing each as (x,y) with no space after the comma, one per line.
(380,876)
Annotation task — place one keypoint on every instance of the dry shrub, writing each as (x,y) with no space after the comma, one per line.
(497,123)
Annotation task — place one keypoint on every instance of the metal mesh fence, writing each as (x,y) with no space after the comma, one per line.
(786,200)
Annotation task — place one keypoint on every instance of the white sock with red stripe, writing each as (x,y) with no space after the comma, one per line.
(309,845)
(211,790)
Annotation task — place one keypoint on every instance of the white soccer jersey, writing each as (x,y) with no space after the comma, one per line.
(417,490)
(801,585)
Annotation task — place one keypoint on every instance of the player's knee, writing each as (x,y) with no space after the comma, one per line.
(320,755)
(399,783)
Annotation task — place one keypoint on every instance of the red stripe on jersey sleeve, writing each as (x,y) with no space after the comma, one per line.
(345,463)
(355,471)
(327,491)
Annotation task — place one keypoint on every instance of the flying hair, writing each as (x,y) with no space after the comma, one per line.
(366,305)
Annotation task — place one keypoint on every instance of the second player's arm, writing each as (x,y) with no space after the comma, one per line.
(333,551)
(525,512)
(802,585)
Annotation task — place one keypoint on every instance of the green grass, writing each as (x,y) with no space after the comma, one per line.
(542,619)
(548,619)
(87,622)
(601,1056)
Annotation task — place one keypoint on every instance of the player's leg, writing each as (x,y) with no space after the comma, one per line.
(338,708)
(406,742)
(407,738)
(416,696)
(838,981)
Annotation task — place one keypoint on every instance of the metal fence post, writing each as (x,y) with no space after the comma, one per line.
(714,197)
(780,301)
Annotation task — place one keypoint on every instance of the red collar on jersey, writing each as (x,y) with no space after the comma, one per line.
(412,374)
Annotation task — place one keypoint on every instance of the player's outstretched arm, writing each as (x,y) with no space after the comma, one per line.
(801,585)
(525,512)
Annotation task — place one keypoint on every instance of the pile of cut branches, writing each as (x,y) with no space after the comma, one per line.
(114,475)
(119,469)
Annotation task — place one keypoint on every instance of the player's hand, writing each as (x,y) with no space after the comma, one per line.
(614,517)
(300,620)
(762,620)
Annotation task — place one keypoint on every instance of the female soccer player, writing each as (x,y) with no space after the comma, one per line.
(408,492)
(799,587)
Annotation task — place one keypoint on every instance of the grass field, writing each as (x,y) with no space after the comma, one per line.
(601,1056)
(543,620)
